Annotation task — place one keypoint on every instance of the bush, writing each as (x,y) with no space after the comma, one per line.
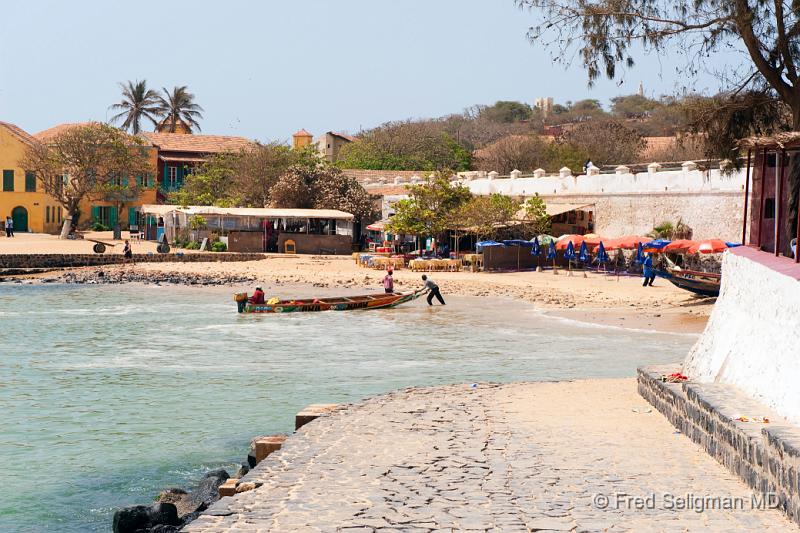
(218,246)
(99,226)
(193,245)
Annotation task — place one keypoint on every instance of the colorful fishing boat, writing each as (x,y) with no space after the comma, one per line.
(702,283)
(343,303)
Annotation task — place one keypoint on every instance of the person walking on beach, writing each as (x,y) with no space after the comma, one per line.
(388,282)
(433,290)
(9,226)
(127,253)
(649,271)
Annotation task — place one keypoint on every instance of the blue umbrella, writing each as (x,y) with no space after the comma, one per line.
(551,251)
(657,244)
(535,249)
(569,253)
(602,256)
(583,256)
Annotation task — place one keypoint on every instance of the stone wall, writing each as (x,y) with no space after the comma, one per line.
(23,261)
(318,244)
(766,456)
(712,214)
(751,340)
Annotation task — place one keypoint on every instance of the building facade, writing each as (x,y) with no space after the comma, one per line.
(330,144)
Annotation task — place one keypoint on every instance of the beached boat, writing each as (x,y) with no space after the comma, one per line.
(702,283)
(344,303)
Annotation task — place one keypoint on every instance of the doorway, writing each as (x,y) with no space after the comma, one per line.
(20,216)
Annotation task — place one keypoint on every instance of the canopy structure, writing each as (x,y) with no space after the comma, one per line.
(259,212)
(378,226)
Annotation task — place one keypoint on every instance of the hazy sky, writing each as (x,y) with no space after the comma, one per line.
(264,69)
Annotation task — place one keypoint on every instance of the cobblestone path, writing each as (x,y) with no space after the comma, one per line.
(517,457)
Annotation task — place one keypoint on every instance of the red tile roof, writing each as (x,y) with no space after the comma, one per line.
(50,133)
(202,144)
(343,136)
(302,133)
(20,134)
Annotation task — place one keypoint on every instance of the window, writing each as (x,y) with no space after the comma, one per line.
(104,214)
(172,177)
(59,215)
(769,208)
(8,180)
(47,215)
(30,181)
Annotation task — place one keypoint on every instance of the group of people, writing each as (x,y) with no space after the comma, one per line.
(9,227)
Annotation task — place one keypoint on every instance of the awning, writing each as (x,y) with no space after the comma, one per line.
(378,226)
(557,209)
(248,211)
(181,159)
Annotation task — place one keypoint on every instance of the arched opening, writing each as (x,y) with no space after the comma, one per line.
(20,216)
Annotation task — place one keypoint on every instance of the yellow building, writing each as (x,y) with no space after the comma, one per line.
(301,139)
(22,196)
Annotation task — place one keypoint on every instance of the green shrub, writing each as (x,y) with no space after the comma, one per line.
(219,246)
(99,226)
(193,245)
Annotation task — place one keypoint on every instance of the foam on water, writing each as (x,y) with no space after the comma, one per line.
(111,393)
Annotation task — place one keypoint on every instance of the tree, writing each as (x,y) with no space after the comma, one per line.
(485,216)
(503,112)
(210,184)
(605,141)
(633,106)
(322,186)
(429,210)
(179,106)
(137,102)
(519,152)
(405,146)
(87,162)
(535,220)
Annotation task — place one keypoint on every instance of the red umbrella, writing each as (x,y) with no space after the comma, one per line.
(564,241)
(628,242)
(679,246)
(709,246)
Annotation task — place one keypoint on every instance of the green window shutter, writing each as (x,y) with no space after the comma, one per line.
(131,216)
(125,181)
(149,178)
(8,180)
(30,182)
(113,217)
(165,180)
(96,213)
(47,214)
(179,181)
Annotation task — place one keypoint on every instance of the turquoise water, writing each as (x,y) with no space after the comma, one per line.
(111,393)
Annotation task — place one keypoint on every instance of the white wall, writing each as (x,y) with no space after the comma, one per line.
(751,340)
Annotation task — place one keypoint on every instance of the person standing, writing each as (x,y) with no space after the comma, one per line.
(649,271)
(433,289)
(388,282)
(127,253)
(257,298)
(9,226)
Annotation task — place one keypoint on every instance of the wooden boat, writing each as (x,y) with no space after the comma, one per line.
(702,283)
(344,303)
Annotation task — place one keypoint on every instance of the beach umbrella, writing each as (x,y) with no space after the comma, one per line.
(592,239)
(535,250)
(639,254)
(710,246)
(564,240)
(678,246)
(569,253)
(628,242)
(551,251)
(602,256)
(583,256)
(656,245)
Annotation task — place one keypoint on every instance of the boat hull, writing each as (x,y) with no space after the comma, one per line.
(702,283)
(351,303)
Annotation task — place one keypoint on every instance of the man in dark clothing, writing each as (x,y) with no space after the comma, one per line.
(257,297)
(433,290)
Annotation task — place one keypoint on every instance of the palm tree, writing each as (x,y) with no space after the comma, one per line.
(177,107)
(137,102)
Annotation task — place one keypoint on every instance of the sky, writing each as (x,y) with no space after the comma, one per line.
(264,69)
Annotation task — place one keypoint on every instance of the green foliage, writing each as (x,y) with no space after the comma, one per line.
(219,246)
(535,219)
(633,106)
(405,146)
(99,226)
(431,207)
(197,222)
(192,245)
(484,216)
(606,142)
(506,112)
(668,230)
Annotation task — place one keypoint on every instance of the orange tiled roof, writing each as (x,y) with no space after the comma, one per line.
(302,133)
(22,135)
(203,144)
(343,136)
(50,133)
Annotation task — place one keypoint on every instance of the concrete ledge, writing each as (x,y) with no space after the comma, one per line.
(312,412)
(766,456)
(26,261)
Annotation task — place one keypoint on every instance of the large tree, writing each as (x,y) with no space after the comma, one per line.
(430,209)
(520,152)
(179,106)
(138,102)
(93,161)
(405,145)
(606,142)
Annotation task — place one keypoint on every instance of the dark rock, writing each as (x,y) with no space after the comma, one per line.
(206,492)
(243,470)
(137,517)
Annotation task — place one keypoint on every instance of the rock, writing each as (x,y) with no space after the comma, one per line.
(243,470)
(137,517)
(206,492)
(244,487)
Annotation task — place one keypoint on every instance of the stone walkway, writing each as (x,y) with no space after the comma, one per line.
(518,457)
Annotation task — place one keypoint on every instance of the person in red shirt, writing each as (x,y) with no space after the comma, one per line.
(388,282)
(257,297)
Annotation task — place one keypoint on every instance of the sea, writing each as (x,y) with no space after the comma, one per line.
(111,393)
